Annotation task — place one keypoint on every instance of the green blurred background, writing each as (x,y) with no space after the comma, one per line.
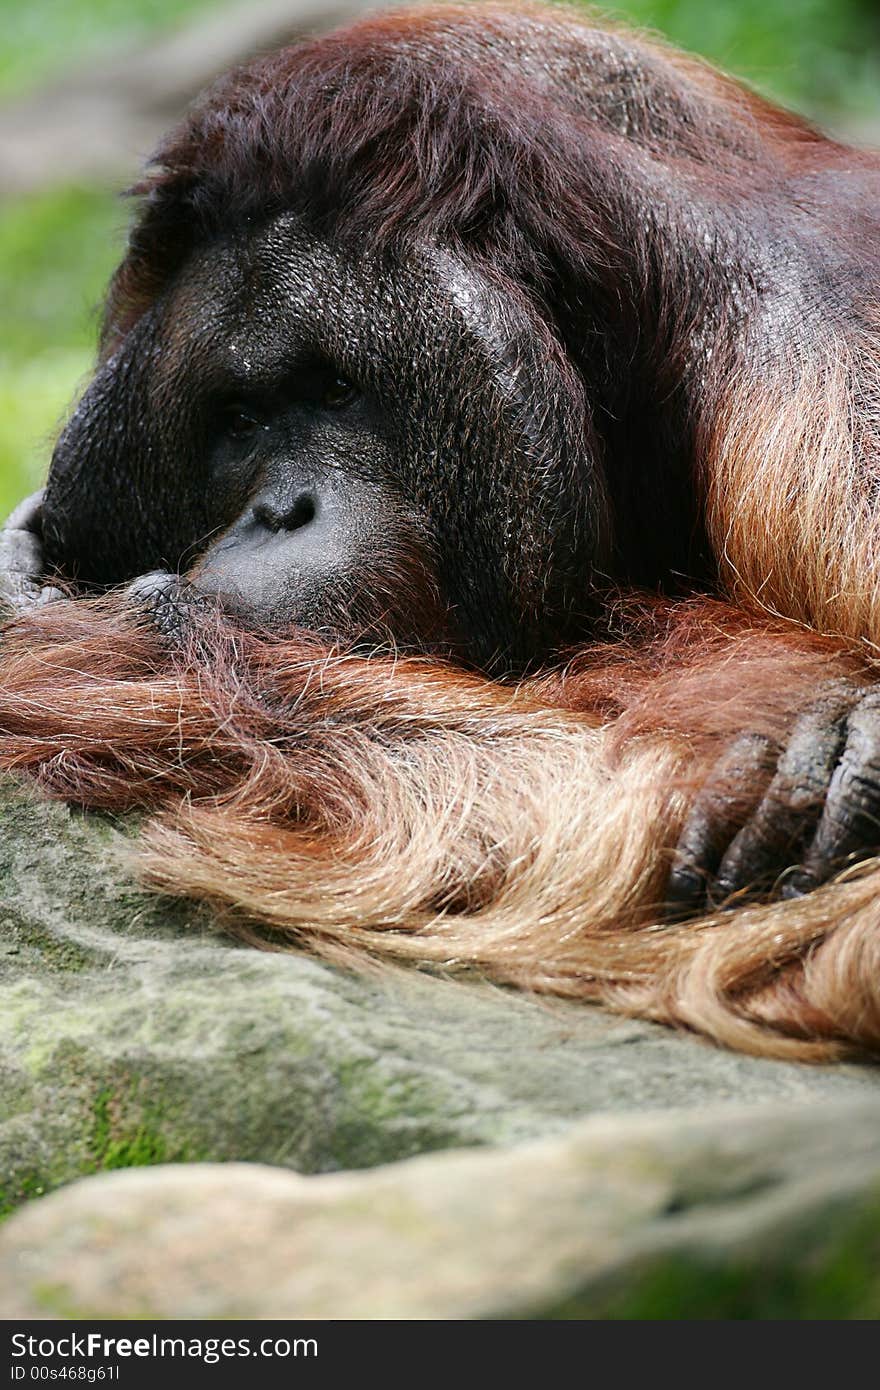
(58,246)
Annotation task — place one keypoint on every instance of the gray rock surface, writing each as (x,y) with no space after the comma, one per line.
(133,1033)
(733,1213)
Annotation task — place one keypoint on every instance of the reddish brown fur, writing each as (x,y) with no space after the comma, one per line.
(406,809)
(400,808)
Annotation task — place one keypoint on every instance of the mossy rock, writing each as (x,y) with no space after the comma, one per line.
(133,1033)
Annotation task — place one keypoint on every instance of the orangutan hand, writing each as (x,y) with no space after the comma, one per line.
(785,819)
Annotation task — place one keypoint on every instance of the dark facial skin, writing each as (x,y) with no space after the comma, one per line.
(291,427)
(302,459)
(265,473)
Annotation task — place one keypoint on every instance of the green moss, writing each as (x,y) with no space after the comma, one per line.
(25,943)
(381,1119)
(125,1134)
(121,1124)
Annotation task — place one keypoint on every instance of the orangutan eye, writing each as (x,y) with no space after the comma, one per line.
(339,392)
(239,421)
